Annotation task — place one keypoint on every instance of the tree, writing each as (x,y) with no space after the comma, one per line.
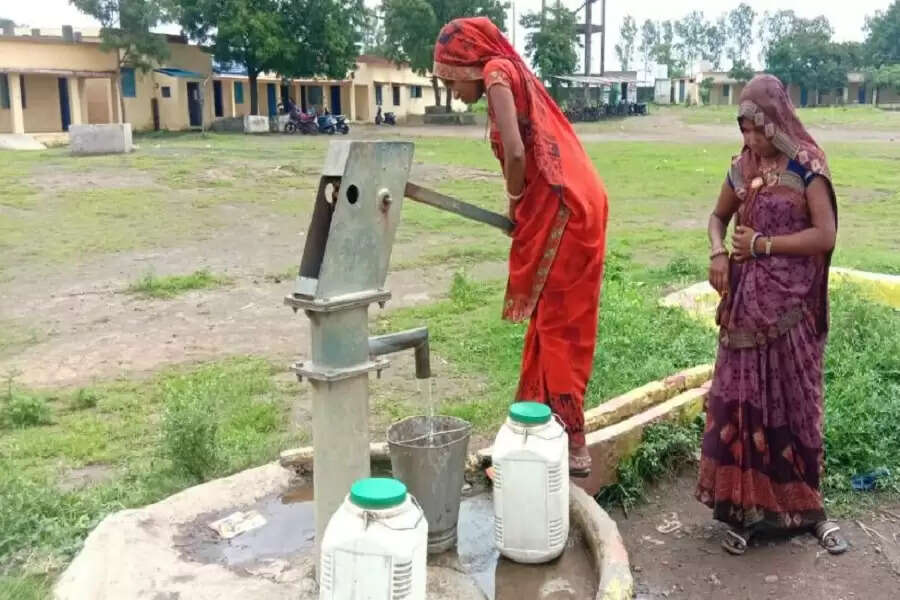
(773,27)
(628,36)
(374,40)
(551,43)
(740,32)
(888,76)
(4,23)
(665,49)
(321,38)
(649,43)
(412,26)
(741,71)
(251,33)
(692,31)
(126,29)
(706,87)
(883,36)
(715,42)
(808,58)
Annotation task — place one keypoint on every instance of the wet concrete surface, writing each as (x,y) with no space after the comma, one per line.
(290,530)
(571,576)
(289,534)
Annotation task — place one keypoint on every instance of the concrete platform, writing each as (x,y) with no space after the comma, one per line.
(19,141)
(110,138)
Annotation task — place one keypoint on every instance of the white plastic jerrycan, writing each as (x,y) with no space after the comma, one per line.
(531,485)
(375,546)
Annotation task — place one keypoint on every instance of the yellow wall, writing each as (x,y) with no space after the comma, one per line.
(96,91)
(42,113)
(26,54)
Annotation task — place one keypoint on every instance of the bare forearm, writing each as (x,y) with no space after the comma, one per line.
(808,242)
(716,230)
(514,172)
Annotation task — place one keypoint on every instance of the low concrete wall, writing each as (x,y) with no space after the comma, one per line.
(228,124)
(450,119)
(112,138)
(256,124)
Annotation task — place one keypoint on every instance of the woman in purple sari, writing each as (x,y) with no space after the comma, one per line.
(763,451)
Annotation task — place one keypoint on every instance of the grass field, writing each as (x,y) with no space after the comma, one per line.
(845,117)
(70,455)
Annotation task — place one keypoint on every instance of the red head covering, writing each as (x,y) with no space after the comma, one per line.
(465,46)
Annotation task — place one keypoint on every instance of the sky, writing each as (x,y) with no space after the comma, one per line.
(847,18)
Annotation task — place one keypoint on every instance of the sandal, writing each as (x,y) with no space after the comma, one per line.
(579,464)
(830,538)
(736,541)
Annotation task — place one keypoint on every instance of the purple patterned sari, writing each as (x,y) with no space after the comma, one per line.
(763,451)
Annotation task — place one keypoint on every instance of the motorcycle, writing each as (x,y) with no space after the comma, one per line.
(341,124)
(302,122)
(389,118)
(327,123)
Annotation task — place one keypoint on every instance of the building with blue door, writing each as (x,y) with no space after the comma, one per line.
(51,79)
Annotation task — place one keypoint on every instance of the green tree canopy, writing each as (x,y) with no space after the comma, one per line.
(628,36)
(740,32)
(411,28)
(807,57)
(126,29)
(551,43)
(883,36)
(250,33)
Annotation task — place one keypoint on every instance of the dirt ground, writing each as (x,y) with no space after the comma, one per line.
(689,563)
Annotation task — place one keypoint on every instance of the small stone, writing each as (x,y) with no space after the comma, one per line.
(772,579)
(665,563)
(638,570)
(714,579)
(309,586)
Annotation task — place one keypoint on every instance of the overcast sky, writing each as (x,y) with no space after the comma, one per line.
(847,18)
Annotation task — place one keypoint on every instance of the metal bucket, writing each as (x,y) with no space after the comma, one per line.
(433,469)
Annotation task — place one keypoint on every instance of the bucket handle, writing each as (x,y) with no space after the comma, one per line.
(554,437)
(467,429)
(369,516)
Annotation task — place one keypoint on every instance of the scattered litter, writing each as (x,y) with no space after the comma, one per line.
(671,525)
(653,541)
(869,531)
(869,481)
(772,579)
(714,579)
(238,523)
(251,305)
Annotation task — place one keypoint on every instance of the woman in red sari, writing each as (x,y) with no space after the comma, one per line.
(763,452)
(560,209)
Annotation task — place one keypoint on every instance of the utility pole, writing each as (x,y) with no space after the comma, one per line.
(603,37)
(588,34)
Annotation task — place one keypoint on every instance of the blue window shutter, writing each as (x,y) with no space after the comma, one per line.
(129,87)
(4,90)
(238,92)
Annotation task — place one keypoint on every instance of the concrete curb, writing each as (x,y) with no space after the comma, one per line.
(627,405)
(608,446)
(606,546)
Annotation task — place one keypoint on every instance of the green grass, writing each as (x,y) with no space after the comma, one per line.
(44,520)
(152,286)
(859,117)
(637,342)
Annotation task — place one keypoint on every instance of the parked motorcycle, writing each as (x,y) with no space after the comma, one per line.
(302,122)
(341,124)
(327,124)
(389,118)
